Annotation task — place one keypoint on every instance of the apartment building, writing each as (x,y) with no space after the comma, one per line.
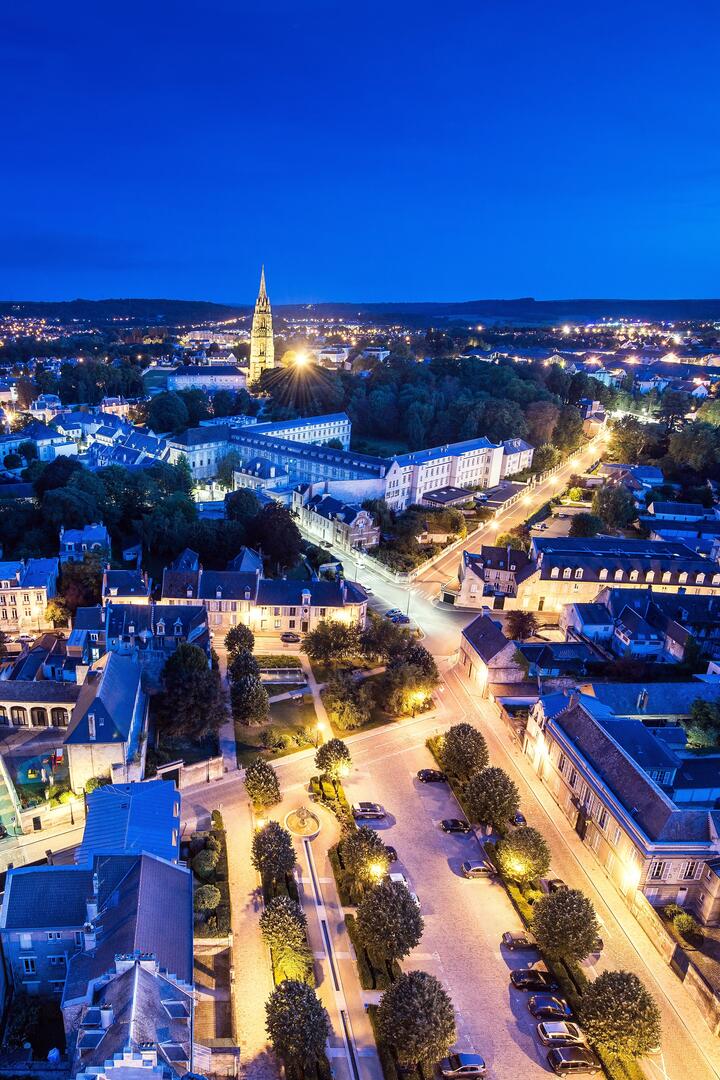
(516,457)
(25,588)
(473,463)
(638,803)
(328,520)
(210,377)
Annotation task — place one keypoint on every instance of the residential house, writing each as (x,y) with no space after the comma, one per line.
(614,778)
(328,520)
(517,456)
(487,656)
(152,632)
(25,589)
(107,734)
(75,544)
(592,621)
(260,474)
(126,587)
(493,571)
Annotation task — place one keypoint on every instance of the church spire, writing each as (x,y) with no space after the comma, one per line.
(262,295)
(262,349)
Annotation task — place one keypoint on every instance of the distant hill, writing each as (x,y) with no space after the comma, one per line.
(523,311)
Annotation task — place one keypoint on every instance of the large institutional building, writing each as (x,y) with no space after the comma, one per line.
(262,348)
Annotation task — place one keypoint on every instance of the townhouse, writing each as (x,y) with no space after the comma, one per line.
(75,544)
(493,571)
(269,606)
(26,586)
(330,521)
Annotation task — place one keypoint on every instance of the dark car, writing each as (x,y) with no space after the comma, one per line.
(519,939)
(393,613)
(454,825)
(367,811)
(533,979)
(573,1061)
(289,638)
(556,884)
(403,620)
(518,820)
(392,853)
(549,1007)
(459,1065)
(431,776)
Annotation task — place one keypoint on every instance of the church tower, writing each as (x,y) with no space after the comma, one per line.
(262,349)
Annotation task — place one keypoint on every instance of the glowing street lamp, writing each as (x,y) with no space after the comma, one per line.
(377,871)
(301,360)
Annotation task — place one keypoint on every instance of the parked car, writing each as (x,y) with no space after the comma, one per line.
(457,1065)
(549,1007)
(598,946)
(392,853)
(367,811)
(551,885)
(518,820)
(560,1033)
(533,979)
(290,638)
(431,776)
(393,613)
(519,939)
(455,825)
(574,1061)
(478,868)
(402,880)
(401,619)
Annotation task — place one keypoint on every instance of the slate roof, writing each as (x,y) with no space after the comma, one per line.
(654,812)
(613,554)
(90,534)
(186,560)
(446,496)
(636,626)
(419,457)
(52,897)
(145,617)
(515,446)
(131,818)
(148,911)
(109,693)
(595,614)
(652,698)
(261,468)
(199,370)
(247,559)
(331,508)
(485,637)
(279,592)
(199,436)
(681,509)
(89,618)
(25,691)
(125,583)
(225,584)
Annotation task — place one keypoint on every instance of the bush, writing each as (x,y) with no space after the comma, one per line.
(686,925)
(523,855)
(261,784)
(671,910)
(207,898)
(204,864)
(213,843)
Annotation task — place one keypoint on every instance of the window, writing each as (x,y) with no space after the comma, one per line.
(578,573)
(291,624)
(56,961)
(25,941)
(53,935)
(683,577)
(618,575)
(699,578)
(555,572)
(617,835)
(666,577)
(690,871)
(562,762)
(650,576)
(602,576)
(602,819)
(566,573)
(59,717)
(79,938)
(657,870)
(91,726)
(322,612)
(38,717)
(633,575)
(573,778)
(18,715)
(29,966)
(276,611)
(277,623)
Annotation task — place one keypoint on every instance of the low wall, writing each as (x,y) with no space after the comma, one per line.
(198,772)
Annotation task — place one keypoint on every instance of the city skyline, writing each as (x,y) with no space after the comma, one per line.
(411,155)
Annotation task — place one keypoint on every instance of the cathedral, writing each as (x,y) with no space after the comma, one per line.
(262,349)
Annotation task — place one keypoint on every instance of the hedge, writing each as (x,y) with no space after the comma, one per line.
(371,977)
(272,661)
(391,1069)
(342,877)
(219,923)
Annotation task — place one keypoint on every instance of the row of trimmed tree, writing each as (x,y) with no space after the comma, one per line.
(619,1015)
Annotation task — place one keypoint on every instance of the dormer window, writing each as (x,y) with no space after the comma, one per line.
(555,572)
(218,593)
(161,628)
(700,578)
(618,575)
(188,591)
(683,577)
(578,573)
(247,593)
(602,576)
(566,573)
(650,576)
(178,629)
(666,577)
(131,628)
(633,575)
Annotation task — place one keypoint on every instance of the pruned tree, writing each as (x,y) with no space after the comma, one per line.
(241,665)
(389,923)
(239,638)
(619,1015)
(417,1019)
(492,798)
(524,855)
(297,1025)
(273,854)
(192,703)
(262,784)
(284,928)
(206,899)
(348,701)
(333,759)
(365,856)
(249,700)
(464,751)
(565,925)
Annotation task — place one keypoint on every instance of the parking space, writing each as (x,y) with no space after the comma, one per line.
(464,919)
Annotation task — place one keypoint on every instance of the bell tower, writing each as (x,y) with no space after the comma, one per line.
(262,349)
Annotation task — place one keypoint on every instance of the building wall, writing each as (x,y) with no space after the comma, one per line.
(93,759)
(210,381)
(24,609)
(552,594)
(664,874)
(37,960)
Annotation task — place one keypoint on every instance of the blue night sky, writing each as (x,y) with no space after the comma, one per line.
(363,151)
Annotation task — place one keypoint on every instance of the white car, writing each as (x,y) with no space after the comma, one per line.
(402,880)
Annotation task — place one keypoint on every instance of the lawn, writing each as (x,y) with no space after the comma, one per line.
(322,672)
(287,721)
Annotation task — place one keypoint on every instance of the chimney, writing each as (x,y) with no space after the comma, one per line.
(106,1016)
(642,700)
(89,937)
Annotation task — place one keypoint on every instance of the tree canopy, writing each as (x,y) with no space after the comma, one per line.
(619,1015)
(417,1019)
(297,1024)
(464,751)
(192,703)
(492,797)
(389,923)
(565,924)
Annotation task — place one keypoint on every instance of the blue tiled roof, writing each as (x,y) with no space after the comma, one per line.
(109,694)
(52,897)
(417,457)
(131,818)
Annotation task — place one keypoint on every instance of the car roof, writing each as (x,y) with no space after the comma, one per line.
(573,1053)
(469,1059)
(556,1025)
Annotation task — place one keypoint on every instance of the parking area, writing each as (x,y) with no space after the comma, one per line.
(464,920)
(558,524)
